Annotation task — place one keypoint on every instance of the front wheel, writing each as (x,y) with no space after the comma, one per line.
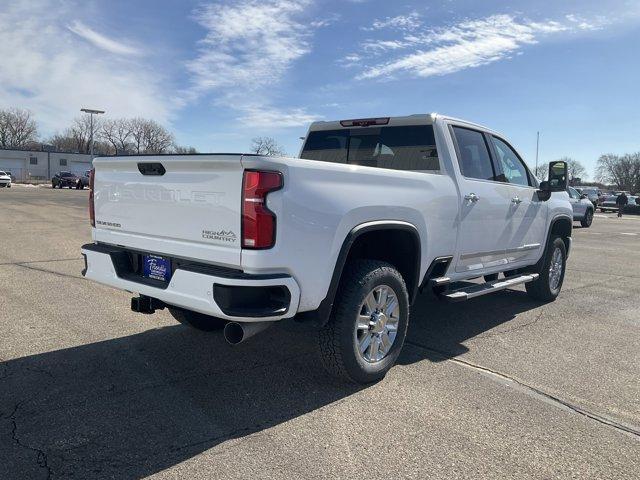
(367,328)
(199,321)
(587,219)
(547,287)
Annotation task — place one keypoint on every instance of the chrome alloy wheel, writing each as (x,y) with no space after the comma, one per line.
(555,269)
(377,324)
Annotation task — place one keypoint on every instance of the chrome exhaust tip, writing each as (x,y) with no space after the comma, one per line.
(236,332)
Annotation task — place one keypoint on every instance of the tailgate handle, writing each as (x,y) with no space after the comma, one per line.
(151,169)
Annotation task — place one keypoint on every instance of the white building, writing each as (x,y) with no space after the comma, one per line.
(26,165)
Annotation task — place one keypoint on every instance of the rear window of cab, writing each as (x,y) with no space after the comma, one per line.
(410,147)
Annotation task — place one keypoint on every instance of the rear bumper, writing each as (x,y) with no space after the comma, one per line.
(241,298)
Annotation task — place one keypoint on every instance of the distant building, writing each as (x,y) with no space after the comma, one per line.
(26,165)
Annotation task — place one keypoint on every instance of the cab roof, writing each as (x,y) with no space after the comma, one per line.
(416,119)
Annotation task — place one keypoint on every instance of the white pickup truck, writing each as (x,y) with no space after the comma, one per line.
(343,238)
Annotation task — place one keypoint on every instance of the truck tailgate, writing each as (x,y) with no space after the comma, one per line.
(192,210)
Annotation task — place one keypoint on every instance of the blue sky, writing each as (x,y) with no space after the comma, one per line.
(218,73)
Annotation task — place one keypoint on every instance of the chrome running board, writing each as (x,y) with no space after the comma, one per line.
(477,290)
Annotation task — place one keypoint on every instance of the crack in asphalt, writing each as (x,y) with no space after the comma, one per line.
(515,328)
(41,261)
(44,270)
(536,392)
(601,273)
(41,458)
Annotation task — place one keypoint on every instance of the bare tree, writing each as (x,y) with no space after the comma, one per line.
(541,172)
(621,170)
(267,146)
(77,138)
(184,150)
(118,134)
(148,136)
(575,169)
(17,128)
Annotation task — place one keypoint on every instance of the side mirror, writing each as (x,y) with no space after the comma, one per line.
(544,193)
(558,176)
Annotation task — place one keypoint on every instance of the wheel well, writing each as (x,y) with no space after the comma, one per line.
(400,248)
(562,228)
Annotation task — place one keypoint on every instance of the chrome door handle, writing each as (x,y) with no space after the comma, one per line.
(516,200)
(471,197)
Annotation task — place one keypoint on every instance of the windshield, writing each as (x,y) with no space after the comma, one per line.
(67,174)
(2,173)
(590,191)
(398,148)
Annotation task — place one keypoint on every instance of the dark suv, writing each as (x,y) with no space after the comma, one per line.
(66,179)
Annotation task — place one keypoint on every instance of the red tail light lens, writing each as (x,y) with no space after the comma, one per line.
(92,209)
(258,222)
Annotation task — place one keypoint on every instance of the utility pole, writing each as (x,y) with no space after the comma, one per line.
(537,149)
(91,114)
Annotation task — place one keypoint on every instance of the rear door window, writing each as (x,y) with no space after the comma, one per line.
(473,154)
(398,148)
(573,193)
(512,167)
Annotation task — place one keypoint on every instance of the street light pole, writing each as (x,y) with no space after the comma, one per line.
(537,149)
(91,114)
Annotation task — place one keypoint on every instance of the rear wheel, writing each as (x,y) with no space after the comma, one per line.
(548,285)
(197,320)
(367,328)
(588,219)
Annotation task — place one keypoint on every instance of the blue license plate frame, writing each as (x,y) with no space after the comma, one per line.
(156,267)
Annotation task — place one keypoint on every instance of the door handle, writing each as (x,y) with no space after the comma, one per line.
(471,197)
(516,200)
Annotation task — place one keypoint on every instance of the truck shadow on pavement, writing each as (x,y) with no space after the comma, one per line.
(133,406)
(440,328)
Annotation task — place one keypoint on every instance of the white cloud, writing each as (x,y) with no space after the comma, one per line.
(411,21)
(101,41)
(54,73)
(272,118)
(251,41)
(583,23)
(248,49)
(468,44)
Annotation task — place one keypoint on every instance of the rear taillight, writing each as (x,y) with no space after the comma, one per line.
(258,222)
(92,209)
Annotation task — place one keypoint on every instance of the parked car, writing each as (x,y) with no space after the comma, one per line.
(66,179)
(582,207)
(5,179)
(342,239)
(84,178)
(592,193)
(608,204)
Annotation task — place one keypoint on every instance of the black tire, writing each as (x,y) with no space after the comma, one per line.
(588,219)
(337,340)
(491,277)
(541,288)
(199,321)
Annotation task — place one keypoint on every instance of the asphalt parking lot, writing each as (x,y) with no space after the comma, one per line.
(498,387)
